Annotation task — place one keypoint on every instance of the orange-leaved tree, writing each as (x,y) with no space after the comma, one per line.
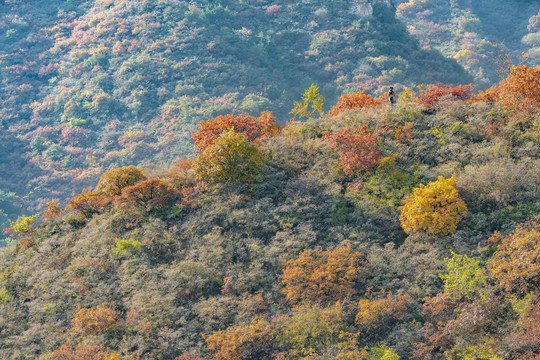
(88,203)
(516,263)
(181,176)
(404,133)
(254,128)
(435,208)
(375,313)
(252,341)
(358,152)
(95,320)
(323,275)
(519,91)
(231,158)
(148,194)
(113,181)
(181,173)
(355,101)
(52,211)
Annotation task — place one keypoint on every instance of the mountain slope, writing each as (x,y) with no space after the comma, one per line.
(146,270)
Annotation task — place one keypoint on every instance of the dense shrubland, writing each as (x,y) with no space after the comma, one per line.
(365,234)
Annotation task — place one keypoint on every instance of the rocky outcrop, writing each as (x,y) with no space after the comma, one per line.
(364,8)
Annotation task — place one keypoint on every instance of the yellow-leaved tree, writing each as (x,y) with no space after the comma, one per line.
(230,158)
(113,181)
(435,208)
(311,105)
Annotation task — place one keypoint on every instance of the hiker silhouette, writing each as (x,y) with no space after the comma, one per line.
(392,97)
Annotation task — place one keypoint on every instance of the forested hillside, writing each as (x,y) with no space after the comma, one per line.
(362,233)
(92,85)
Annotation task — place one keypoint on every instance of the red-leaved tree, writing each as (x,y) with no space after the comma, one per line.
(436,92)
(358,152)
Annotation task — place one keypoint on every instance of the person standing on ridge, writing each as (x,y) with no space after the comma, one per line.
(392,97)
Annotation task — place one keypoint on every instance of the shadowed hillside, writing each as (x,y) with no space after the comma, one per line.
(475,33)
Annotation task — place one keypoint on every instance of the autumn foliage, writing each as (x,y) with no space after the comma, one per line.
(526,342)
(148,194)
(95,320)
(309,328)
(88,203)
(254,128)
(435,208)
(231,158)
(23,230)
(323,275)
(519,91)
(181,173)
(462,319)
(516,263)
(113,181)
(245,241)
(465,277)
(252,341)
(404,133)
(52,211)
(373,313)
(23,227)
(358,152)
(435,93)
(355,101)
(312,103)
